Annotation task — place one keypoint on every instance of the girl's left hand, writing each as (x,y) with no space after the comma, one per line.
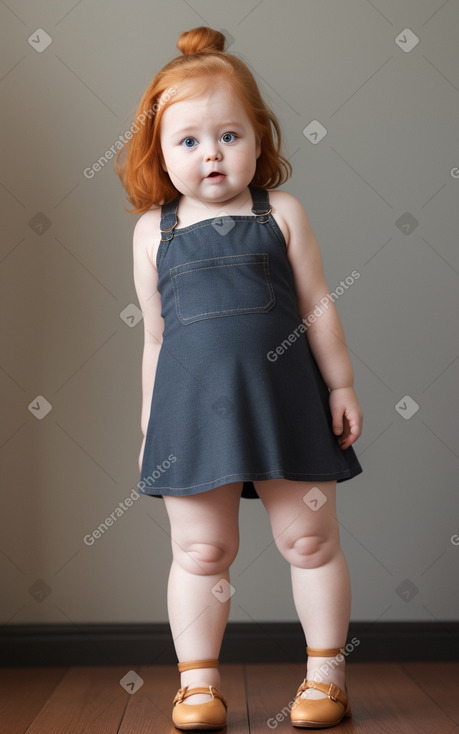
(347,416)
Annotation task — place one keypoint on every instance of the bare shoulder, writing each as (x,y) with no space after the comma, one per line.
(147,235)
(289,214)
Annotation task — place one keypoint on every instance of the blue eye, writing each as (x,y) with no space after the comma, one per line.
(189,142)
(228,137)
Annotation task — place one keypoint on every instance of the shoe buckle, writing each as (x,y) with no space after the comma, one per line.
(301,689)
(179,698)
(333,692)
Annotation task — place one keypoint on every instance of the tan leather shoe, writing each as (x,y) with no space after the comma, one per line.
(208,715)
(308,713)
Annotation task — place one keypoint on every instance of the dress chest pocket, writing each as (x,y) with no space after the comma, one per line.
(232,285)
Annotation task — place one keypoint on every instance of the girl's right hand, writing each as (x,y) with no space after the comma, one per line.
(142,449)
(347,416)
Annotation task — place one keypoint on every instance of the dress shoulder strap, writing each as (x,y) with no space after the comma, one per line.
(261,207)
(169,219)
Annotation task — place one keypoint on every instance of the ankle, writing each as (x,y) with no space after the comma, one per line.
(200,677)
(326,670)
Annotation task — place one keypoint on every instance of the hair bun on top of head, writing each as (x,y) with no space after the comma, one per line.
(200,39)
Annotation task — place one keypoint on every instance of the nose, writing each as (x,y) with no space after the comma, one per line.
(216,156)
(212,153)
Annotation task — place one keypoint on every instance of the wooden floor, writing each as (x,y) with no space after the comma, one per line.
(385,697)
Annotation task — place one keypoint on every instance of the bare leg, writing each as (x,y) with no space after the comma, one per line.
(307,535)
(205,540)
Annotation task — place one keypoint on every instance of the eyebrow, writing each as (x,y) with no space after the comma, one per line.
(191,126)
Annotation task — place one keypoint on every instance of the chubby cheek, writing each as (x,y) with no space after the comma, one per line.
(182,176)
(246,161)
(176,164)
(185,179)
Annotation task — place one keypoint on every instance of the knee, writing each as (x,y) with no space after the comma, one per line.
(311,551)
(206,559)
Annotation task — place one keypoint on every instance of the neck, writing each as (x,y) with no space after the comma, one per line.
(235,205)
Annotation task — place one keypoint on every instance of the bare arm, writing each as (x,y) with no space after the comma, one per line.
(146,285)
(325,335)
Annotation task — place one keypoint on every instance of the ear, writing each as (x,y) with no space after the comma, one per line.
(258,149)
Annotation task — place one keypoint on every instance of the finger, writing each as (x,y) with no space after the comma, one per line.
(338,425)
(349,437)
(344,439)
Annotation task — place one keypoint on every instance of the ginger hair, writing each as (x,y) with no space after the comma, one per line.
(203,62)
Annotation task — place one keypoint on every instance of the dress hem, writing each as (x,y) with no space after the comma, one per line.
(339,476)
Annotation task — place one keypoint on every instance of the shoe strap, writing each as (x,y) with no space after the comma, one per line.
(323,653)
(195,664)
(332,691)
(185,692)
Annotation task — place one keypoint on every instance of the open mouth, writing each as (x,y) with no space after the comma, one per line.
(214,174)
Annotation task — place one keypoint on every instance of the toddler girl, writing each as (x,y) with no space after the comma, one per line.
(245,391)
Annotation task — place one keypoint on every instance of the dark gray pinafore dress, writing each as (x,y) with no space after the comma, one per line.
(237,394)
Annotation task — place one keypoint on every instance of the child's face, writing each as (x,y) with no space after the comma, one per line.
(207,134)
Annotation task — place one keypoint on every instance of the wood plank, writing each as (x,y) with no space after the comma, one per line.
(385,699)
(233,688)
(150,708)
(24,691)
(439,681)
(270,693)
(87,699)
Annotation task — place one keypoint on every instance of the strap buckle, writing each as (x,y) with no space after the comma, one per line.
(180,695)
(302,688)
(263,217)
(333,692)
(169,229)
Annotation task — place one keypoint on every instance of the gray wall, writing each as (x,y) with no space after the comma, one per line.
(388,161)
